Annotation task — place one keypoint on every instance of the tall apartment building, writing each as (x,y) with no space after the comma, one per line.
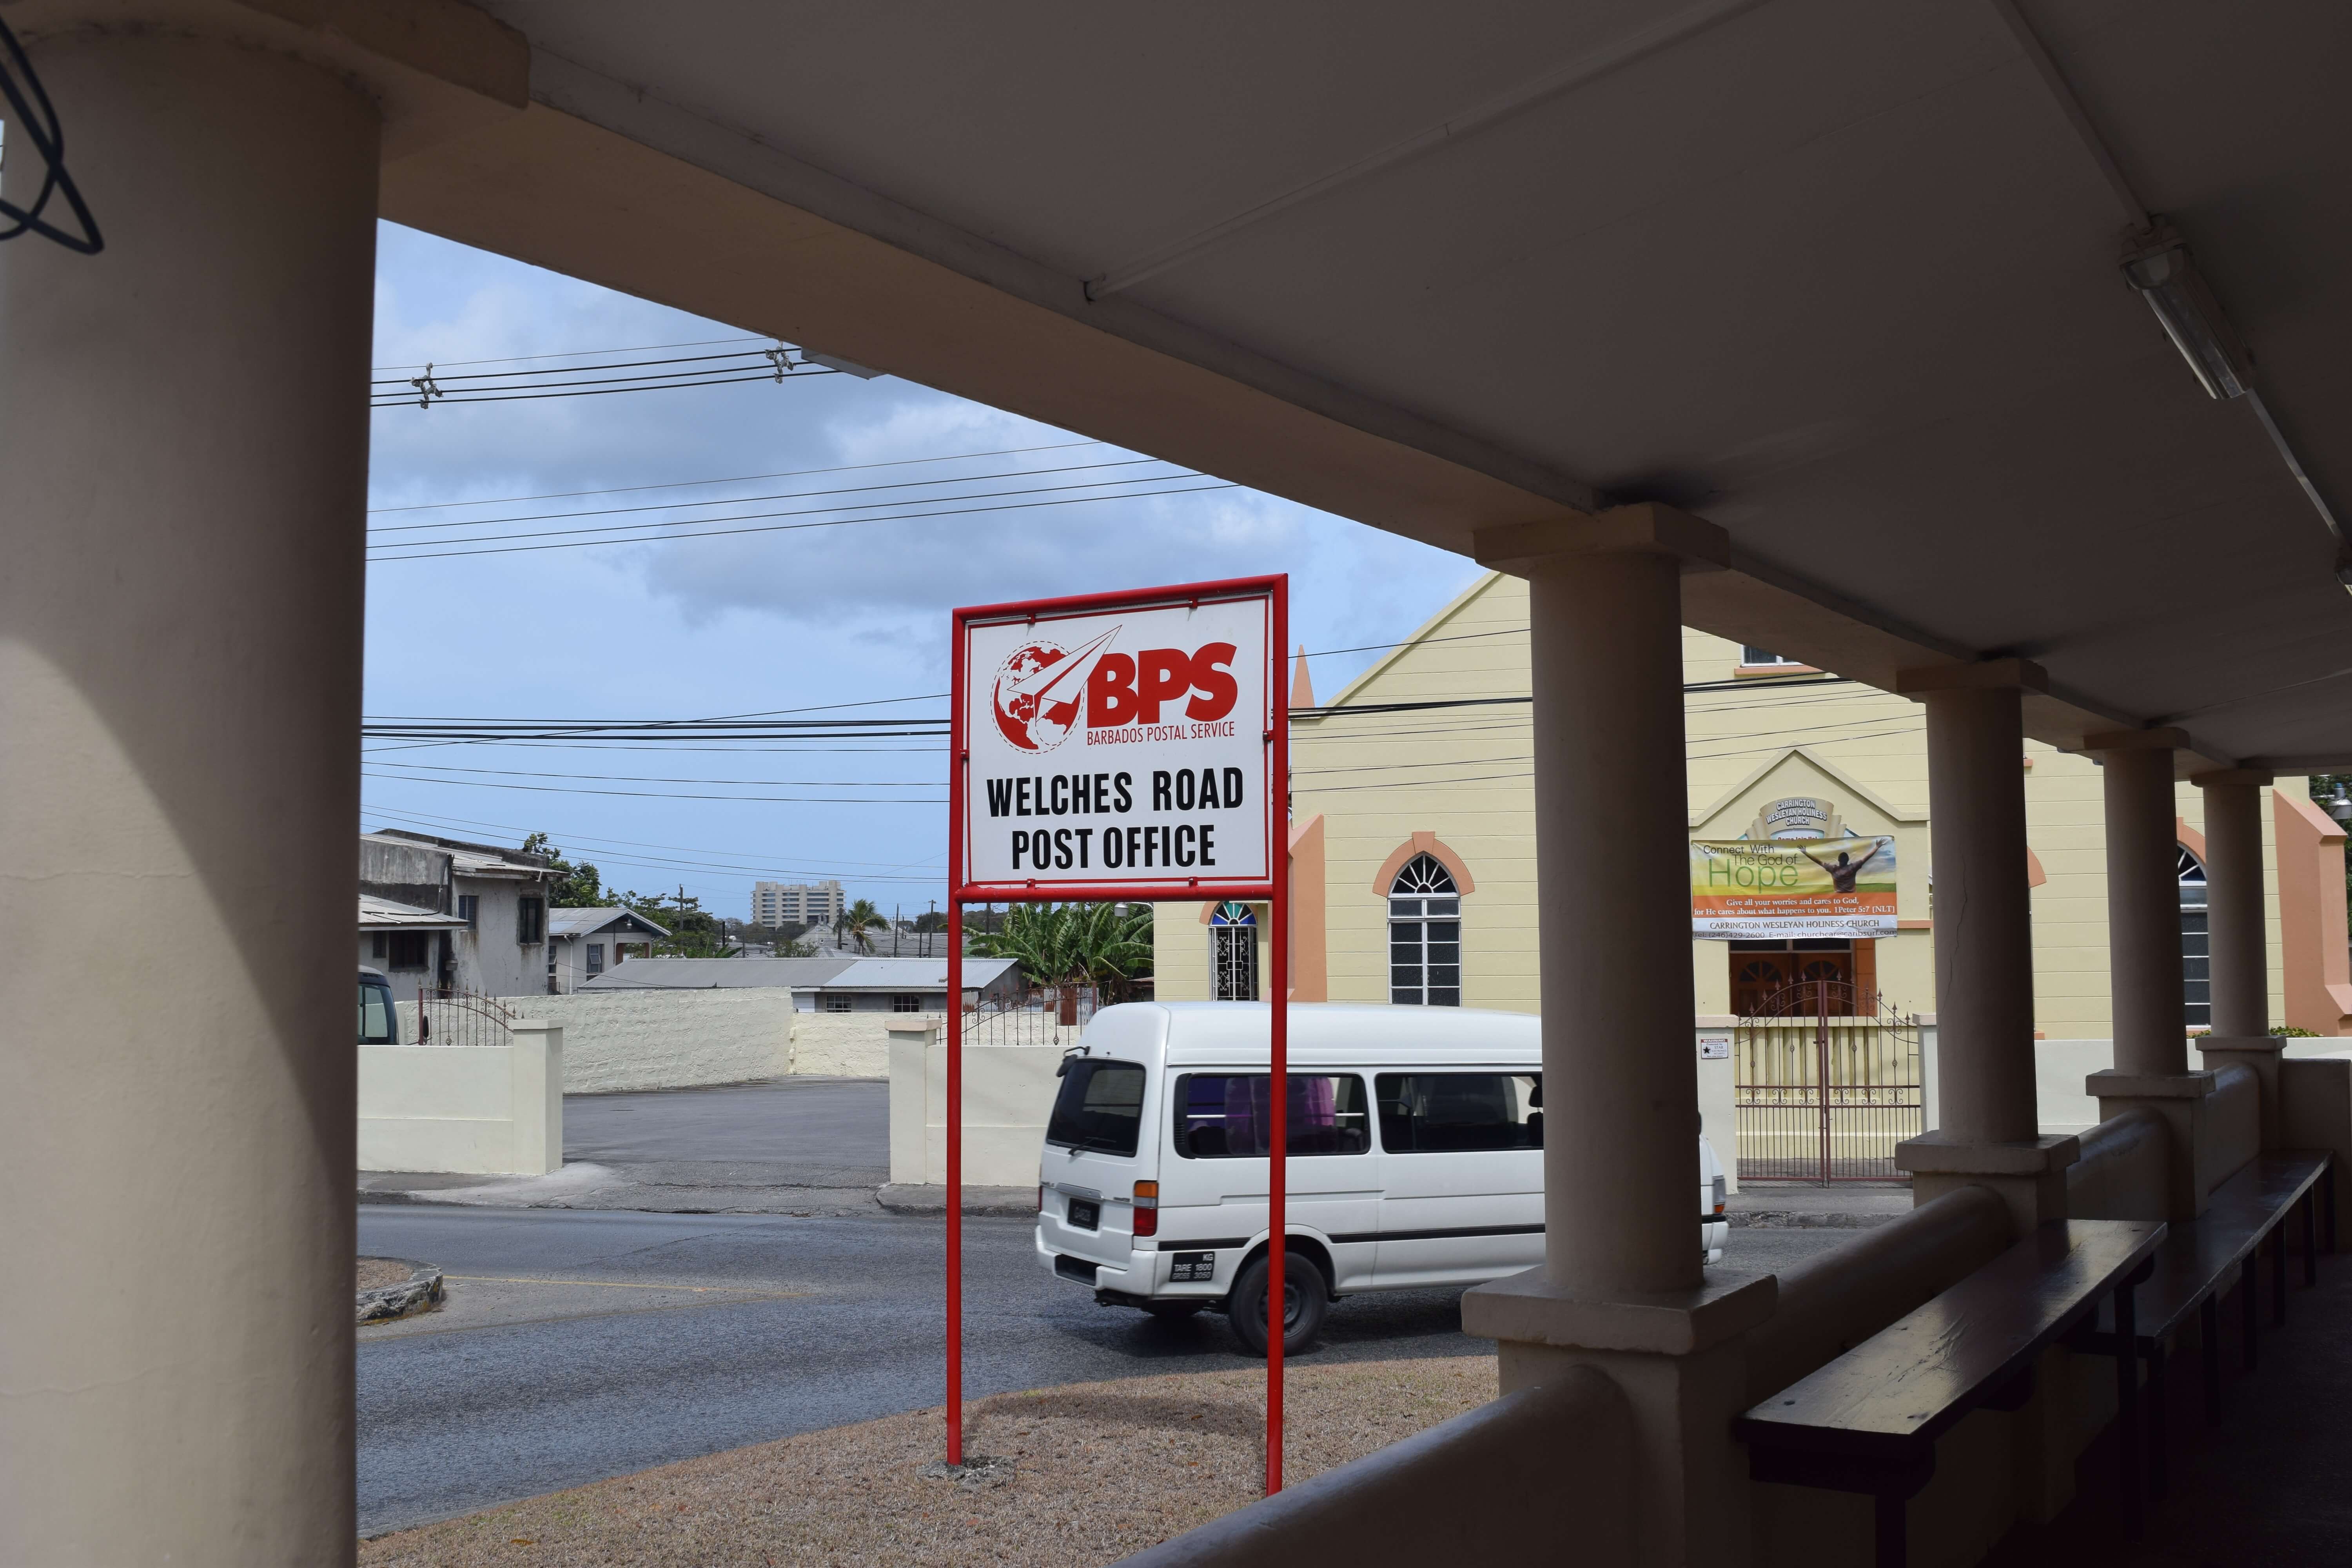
(775,903)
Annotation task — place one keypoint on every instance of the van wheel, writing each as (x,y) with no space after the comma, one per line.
(1305,1298)
(1173,1311)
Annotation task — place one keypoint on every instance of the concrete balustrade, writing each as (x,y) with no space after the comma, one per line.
(2126,1163)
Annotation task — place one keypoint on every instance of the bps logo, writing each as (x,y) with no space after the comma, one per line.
(1044,692)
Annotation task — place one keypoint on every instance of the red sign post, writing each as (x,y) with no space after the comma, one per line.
(1129,746)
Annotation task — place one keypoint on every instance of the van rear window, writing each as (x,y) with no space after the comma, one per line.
(1100,1107)
(1460,1113)
(1223,1115)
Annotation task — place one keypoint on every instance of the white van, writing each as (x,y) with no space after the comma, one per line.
(1416,1158)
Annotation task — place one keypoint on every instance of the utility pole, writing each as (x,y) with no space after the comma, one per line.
(896,910)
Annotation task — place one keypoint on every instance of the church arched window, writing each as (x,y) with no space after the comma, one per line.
(1424,935)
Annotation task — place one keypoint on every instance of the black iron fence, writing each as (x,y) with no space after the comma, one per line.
(457,1015)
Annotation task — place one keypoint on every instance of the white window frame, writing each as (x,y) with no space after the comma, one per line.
(1424,895)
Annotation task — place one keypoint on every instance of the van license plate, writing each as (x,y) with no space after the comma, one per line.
(1193,1269)
(1085,1214)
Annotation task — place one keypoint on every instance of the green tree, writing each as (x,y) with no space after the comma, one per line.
(1102,945)
(694,932)
(576,886)
(856,921)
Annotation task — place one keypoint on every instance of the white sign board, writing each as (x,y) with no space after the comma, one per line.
(1116,748)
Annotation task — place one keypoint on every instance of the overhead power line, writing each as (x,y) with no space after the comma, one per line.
(790,527)
(782,494)
(737,480)
(650,531)
(436,386)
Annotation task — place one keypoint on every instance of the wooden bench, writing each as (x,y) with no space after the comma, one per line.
(2194,1269)
(1868,1421)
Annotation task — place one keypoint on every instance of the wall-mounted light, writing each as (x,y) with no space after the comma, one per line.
(2340,808)
(2158,264)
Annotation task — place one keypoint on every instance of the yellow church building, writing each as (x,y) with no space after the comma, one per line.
(1413,851)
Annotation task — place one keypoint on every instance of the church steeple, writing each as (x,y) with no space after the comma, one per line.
(1302,689)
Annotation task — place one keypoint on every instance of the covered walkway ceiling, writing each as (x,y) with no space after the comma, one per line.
(1838,275)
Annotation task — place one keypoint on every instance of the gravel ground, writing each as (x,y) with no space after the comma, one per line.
(377,1272)
(1098,1470)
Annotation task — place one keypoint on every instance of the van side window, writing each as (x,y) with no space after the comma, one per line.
(1226,1116)
(1460,1113)
(1100,1107)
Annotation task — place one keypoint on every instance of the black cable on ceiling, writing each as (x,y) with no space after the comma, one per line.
(35,119)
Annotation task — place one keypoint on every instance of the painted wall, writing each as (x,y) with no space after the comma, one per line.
(491,1110)
(488,957)
(1008,1095)
(623,1040)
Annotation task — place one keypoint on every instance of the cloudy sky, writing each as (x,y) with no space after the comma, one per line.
(472,616)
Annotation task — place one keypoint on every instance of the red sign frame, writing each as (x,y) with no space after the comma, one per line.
(1274,888)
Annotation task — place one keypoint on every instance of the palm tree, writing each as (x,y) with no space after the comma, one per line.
(856,921)
(1101,945)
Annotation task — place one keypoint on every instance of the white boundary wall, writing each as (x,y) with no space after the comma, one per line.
(1008,1093)
(619,1041)
(485,1110)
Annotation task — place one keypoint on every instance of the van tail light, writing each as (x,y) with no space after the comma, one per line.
(1041,1197)
(1718,1195)
(1146,1208)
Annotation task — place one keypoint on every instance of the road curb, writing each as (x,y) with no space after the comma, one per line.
(1804,1220)
(420,1292)
(1004,1203)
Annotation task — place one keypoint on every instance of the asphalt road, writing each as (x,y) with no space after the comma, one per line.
(580,1345)
(808,1126)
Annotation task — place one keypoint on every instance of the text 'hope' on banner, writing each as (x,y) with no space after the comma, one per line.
(1118,741)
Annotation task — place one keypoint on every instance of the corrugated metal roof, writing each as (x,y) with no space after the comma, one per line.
(587,923)
(468,859)
(382,914)
(716,973)
(914,975)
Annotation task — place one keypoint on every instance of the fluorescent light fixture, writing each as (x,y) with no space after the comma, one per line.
(2158,266)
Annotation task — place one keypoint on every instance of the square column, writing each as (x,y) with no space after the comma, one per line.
(2151,1049)
(1990,1133)
(1622,1286)
(2239,940)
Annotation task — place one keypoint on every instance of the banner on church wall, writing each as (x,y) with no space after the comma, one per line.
(1792,887)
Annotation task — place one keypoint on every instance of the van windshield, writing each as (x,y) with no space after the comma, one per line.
(378,1022)
(1100,1107)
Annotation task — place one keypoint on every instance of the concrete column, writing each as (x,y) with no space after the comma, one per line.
(1989,1133)
(184,436)
(2142,902)
(2151,1043)
(2233,902)
(1622,1286)
(2240,936)
(1621,1123)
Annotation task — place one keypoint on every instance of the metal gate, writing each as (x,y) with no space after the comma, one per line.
(1828,1083)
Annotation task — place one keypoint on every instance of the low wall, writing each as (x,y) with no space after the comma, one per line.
(619,1041)
(481,1110)
(850,1044)
(1008,1093)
